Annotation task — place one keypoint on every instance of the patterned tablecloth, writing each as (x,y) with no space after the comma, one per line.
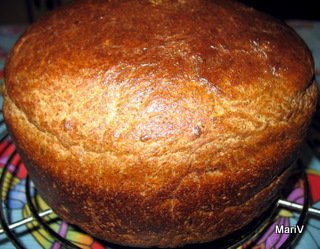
(33,236)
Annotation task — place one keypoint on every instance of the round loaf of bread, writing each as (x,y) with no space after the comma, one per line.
(157,122)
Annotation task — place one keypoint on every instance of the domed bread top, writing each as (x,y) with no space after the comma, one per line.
(95,72)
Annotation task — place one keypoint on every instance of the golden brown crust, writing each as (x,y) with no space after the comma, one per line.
(204,206)
(141,121)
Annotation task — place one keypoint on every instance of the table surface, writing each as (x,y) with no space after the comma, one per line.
(34,237)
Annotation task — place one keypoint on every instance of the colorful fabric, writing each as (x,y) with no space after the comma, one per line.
(33,236)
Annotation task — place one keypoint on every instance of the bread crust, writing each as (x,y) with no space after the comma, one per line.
(159,123)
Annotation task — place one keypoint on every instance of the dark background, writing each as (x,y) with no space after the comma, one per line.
(26,11)
(284,9)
